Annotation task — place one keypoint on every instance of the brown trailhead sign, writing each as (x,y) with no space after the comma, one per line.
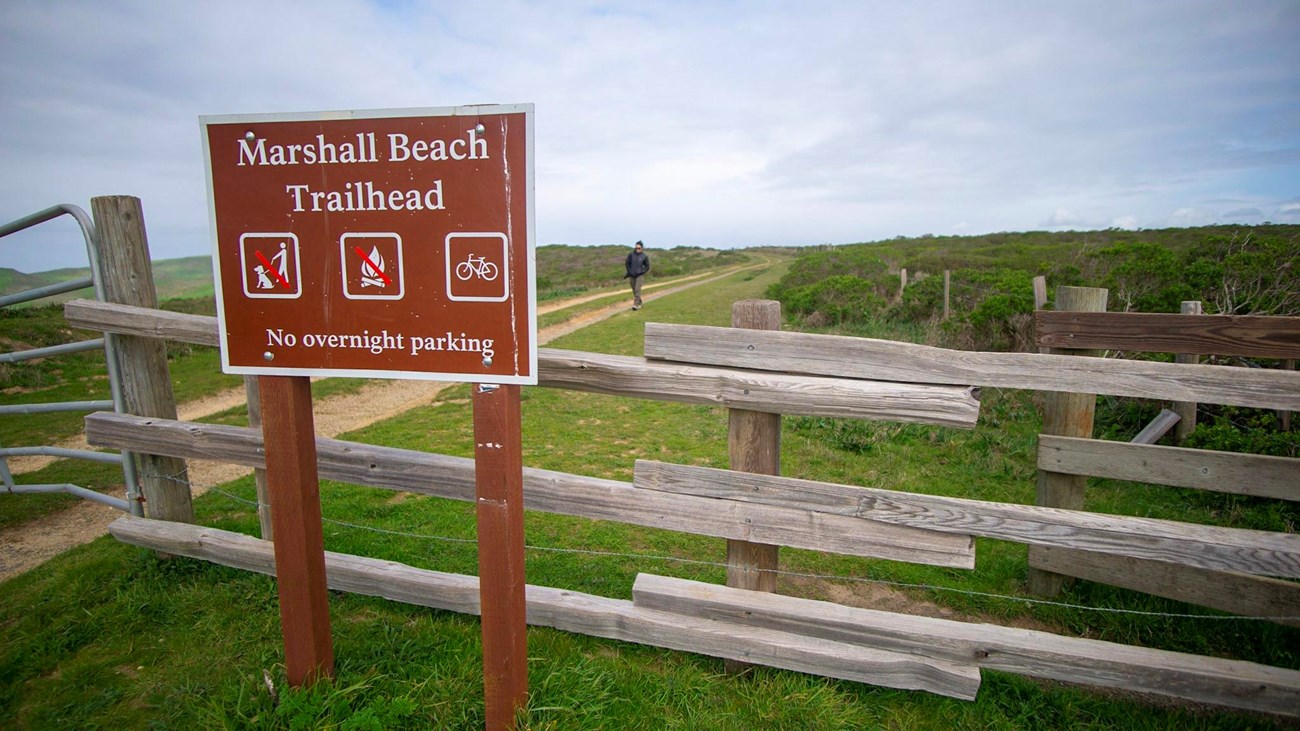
(394,243)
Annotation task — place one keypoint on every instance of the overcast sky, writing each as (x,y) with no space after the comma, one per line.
(695,123)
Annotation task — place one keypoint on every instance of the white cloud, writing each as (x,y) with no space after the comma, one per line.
(1062,217)
(1190,216)
(1129,223)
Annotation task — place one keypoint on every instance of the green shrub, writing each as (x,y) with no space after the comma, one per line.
(840,299)
(1143,277)
(921,301)
(1236,429)
(1246,273)
(817,266)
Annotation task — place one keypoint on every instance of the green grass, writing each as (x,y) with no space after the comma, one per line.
(111,636)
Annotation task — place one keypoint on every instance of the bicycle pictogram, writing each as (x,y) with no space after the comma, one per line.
(480,261)
(476,267)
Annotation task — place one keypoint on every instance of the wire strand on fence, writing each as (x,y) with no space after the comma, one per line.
(783,572)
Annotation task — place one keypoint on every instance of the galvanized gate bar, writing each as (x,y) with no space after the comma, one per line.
(49,407)
(75,491)
(86,454)
(48,290)
(64,349)
(132,504)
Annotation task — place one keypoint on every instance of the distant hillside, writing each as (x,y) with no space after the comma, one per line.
(1040,250)
(187,277)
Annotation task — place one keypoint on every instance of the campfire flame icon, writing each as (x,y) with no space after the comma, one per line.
(372,269)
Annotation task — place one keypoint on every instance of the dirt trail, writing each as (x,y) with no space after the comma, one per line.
(28,545)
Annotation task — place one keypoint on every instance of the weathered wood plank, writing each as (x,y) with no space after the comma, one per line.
(1246,335)
(886,360)
(253,395)
(576,612)
(548,491)
(145,322)
(1242,474)
(1232,683)
(776,393)
(1228,591)
(637,378)
(1232,549)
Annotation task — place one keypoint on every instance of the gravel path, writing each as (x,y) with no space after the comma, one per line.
(28,545)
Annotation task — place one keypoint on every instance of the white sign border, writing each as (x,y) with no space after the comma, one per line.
(527,110)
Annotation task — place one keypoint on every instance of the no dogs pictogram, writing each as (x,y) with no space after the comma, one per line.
(271,265)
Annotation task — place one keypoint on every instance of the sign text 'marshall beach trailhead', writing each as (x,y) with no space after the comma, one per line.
(392,243)
(362,195)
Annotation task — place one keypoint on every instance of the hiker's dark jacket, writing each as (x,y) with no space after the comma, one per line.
(637,264)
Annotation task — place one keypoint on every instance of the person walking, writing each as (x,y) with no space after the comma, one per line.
(637,265)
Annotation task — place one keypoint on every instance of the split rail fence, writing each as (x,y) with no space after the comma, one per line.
(769,372)
(1069,456)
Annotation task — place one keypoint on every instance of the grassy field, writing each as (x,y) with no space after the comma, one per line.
(111,636)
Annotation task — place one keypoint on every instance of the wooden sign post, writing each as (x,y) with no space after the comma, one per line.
(289,435)
(499,489)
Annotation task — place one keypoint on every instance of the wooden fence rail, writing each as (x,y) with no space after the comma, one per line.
(548,491)
(1242,474)
(1252,551)
(887,360)
(1250,336)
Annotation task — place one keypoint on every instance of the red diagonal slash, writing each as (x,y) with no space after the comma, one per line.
(373,267)
(272,269)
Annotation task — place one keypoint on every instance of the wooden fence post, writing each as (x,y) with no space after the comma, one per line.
(1284,417)
(754,442)
(902,284)
(1186,410)
(1040,300)
(254,395)
(1068,415)
(123,252)
(947,288)
(1040,292)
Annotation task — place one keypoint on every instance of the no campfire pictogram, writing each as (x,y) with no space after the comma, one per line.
(372,266)
(271,265)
